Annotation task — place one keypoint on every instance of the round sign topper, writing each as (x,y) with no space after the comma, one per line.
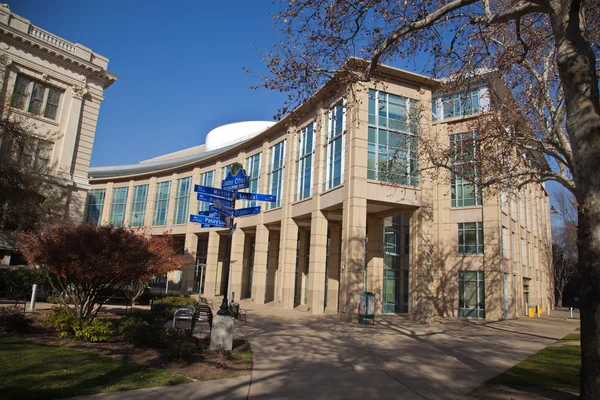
(235,169)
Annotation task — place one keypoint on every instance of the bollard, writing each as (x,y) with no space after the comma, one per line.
(33,295)
(571,309)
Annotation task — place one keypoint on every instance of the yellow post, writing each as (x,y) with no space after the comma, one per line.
(531,312)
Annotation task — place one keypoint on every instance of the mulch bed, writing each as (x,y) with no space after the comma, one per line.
(204,366)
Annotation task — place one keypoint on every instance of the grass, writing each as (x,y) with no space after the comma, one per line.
(36,371)
(555,367)
(573,337)
(244,355)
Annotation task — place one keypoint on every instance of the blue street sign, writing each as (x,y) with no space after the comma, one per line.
(211,226)
(236,178)
(214,191)
(202,219)
(224,209)
(246,211)
(213,199)
(256,196)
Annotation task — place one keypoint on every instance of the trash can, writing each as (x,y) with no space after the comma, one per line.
(235,309)
(366,308)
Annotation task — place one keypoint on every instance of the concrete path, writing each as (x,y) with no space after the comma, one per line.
(301,356)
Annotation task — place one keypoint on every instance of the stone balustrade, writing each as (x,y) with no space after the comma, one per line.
(49,38)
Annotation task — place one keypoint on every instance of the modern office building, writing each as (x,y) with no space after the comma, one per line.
(56,87)
(353,210)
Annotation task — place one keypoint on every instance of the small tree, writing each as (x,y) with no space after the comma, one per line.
(564,268)
(83,261)
(166,258)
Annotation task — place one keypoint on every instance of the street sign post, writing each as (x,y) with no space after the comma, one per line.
(214,191)
(242,212)
(256,196)
(209,198)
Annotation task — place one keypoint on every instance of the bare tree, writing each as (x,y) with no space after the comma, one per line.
(563,269)
(546,52)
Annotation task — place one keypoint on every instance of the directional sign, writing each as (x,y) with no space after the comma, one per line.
(213,199)
(207,220)
(214,191)
(224,209)
(246,211)
(256,196)
(212,226)
(235,179)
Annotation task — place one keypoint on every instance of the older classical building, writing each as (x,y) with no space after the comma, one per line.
(56,87)
(353,213)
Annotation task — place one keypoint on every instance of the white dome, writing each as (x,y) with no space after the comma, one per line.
(229,134)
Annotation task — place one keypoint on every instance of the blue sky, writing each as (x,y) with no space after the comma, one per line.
(180,66)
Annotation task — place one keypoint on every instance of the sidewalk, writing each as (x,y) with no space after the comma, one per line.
(299,356)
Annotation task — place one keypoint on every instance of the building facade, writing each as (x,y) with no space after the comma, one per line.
(353,212)
(56,88)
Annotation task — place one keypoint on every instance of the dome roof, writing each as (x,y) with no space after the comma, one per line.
(226,135)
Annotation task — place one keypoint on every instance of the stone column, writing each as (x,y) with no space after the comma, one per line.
(128,204)
(259,279)
(318,260)
(212,256)
(272,265)
(150,202)
(187,275)
(107,208)
(172,197)
(71,132)
(287,271)
(375,261)
(301,276)
(333,285)
(236,265)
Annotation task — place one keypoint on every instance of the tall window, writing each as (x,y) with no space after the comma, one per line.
(335,146)
(161,204)
(524,252)
(95,206)
(277,169)
(471,294)
(226,171)
(393,145)
(182,200)
(504,242)
(206,179)
(456,105)
(35,97)
(464,190)
(30,152)
(119,201)
(470,238)
(253,172)
(138,206)
(305,162)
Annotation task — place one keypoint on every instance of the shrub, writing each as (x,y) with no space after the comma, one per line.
(180,345)
(16,283)
(12,320)
(100,330)
(142,334)
(176,301)
(61,320)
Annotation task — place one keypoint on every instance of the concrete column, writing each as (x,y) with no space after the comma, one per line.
(187,275)
(375,261)
(150,202)
(260,264)
(129,203)
(287,271)
(318,259)
(303,270)
(237,261)
(107,208)
(272,264)
(333,285)
(194,204)
(71,132)
(212,256)
(172,196)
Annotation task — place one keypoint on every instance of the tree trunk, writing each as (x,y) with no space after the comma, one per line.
(577,68)
(559,296)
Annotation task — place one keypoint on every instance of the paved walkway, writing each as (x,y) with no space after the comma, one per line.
(301,356)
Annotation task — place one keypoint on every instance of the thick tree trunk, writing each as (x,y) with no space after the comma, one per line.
(576,65)
(559,296)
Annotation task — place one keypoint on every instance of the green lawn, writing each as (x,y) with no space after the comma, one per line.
(36,371)
(573,337)
(554,367)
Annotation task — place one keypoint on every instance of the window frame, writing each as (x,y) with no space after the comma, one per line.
(119,203)
(160,198)
(98,204)
(335,133)
(206,179)
(463,230)
(24,100)
(182,201)
(460,184)
(139,205)
(305,163)
(253,165)
(479,280)
(277,190)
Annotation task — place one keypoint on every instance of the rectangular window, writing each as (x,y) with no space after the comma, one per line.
(161,204)
(182,200)
(456,105)
(277,170)
(392,139)
(226,170)
(471,294)
(35,97)
(305,162)
(119,202)
(29,151)
(253,171)
(470,238)
(138,206)
(334,173)
(504,242)
(94,206)
(521,208)
(206,179)
(513,245)
(524,255)
(464,191)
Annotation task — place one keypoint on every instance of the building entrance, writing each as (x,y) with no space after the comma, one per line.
(395,264)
